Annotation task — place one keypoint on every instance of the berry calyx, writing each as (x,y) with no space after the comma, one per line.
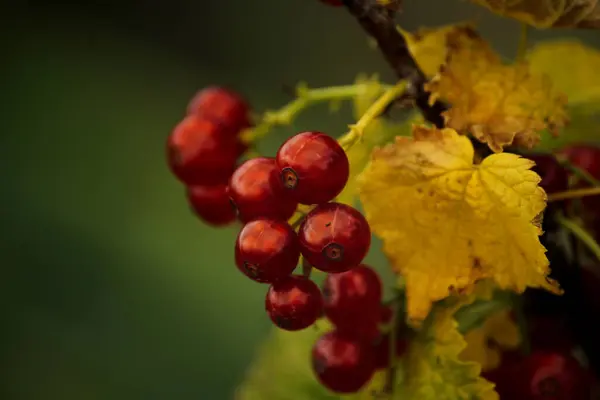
(200,151)
(211,204)
(552,375)
(342,364)
(223,105)
(256,193)
(334,237)
(554,177)
(294,303)
(313,167)
(266,250)
(353,298)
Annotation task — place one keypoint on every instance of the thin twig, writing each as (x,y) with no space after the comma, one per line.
(378,22)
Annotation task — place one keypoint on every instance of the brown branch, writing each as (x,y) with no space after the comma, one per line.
(378,22)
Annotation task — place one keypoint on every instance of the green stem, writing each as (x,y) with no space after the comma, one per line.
(306,98)
(356,130)
(578,172)
(580,233)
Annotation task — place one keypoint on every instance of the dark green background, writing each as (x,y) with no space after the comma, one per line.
(110,288)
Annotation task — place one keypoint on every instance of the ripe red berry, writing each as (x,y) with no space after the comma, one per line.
(313,167)
(267,250)
(256,192)
(294,303)
(342,364)
(551,375)
(211,204)
(554,177)
(224,105)
(353,298)
(202,152)
(334,237)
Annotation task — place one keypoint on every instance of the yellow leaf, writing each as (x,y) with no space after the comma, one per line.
(484,344)
(573,67)
(428,46)
(544,14)
(377,133)
(499,104)
(447,223)
(432,367)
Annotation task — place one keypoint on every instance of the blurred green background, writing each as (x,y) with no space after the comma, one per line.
(111,289)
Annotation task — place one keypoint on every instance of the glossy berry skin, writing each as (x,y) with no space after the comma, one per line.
(294,303)
(342,364)
(551,375)
(256,193)
(211,204)
(554,177)
(266,250)
(353,298)
(223,105)
(334,237)
(313,167)
(202,152)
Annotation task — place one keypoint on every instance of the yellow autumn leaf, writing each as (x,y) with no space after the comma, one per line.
(498,104)
(447,223)
(428,45)
(433,369)
(544,14)
(485,344)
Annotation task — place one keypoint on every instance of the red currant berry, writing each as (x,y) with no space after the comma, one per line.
(224,105)
(552,375)
(313,167)
(202,152)
(550,333)
(334,3)
(554,177)
(211,204)
(334,237)
(342,364)
(256,193)
(267,250)
(294,303)
(351,297)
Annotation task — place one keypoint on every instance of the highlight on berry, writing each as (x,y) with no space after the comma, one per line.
(481,203)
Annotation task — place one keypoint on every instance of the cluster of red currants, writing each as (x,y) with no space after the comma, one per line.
(204,148)
(311,169)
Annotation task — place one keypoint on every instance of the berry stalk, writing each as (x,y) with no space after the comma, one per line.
(305,98)
(375,110)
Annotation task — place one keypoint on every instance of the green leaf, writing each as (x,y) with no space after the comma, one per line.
(574,69)
(379,132)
